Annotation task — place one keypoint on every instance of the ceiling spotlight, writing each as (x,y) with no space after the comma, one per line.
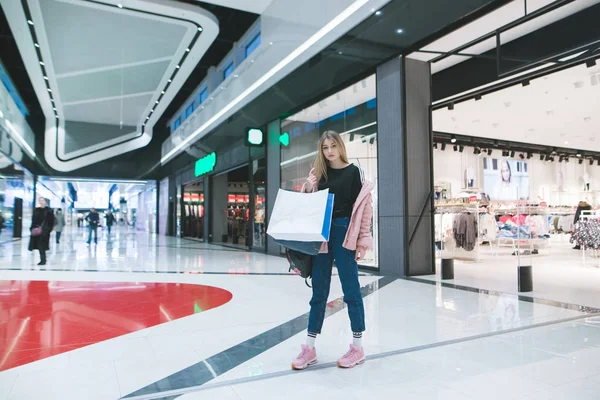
(199,29)
(177,66)
(41,63)
(461,148)
(444,148)
(599,162)
(50,90)
(434,145)
(30,22)
(37,45)
(580,161)
(187,50)
(591,161)
(477,150)
(489,152)
(455,148)
(399,31)
(591,63)
(529,155)
(170,80)
(54,108)
(156,101)
(526,82)
(451,106)
(522,156)
(163,92)
(477,98)
(147,118)
(452,139)
(120,5)
(560,159)
(542,157)
(45,77)
(554,150)
(578,154)
(550,159)
(379,13)
(512,153)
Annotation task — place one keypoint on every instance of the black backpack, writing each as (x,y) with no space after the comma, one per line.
(300,263)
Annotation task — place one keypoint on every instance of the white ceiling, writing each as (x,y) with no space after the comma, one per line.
(352,96)
(492,21)
(558,110)
(254,6)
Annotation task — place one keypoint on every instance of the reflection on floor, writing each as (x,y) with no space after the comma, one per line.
(424,340)
(48,318)
(559,273)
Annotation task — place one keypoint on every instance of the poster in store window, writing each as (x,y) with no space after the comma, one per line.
(505,179)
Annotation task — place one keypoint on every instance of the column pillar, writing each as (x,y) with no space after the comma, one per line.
(405,171)
(273,177)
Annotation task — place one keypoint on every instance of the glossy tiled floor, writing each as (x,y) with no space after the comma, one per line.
(144,293)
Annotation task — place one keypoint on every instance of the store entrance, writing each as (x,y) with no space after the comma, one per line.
(192,223)
(231,212)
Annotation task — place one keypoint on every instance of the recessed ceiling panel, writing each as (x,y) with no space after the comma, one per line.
(84,36)
(119,82)
(110,112)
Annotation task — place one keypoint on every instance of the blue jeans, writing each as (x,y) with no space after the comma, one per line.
(90,230)
(348,272)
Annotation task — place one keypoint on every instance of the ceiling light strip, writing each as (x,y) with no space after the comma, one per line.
(334,23)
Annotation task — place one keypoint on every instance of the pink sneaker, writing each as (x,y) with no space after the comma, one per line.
(305,358)
(352,358)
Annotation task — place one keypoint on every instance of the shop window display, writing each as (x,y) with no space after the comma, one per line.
(351,112)
(193,211)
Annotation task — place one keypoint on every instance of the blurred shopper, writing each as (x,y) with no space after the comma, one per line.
(59,224)
(93,220)
(110,220)
(1,222)
(42,223)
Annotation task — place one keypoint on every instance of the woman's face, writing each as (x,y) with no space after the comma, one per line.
(42,202)
(505,171)
(331,150)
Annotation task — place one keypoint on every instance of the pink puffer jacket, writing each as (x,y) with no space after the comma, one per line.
(359,230)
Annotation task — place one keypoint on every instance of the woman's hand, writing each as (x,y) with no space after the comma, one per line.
(360,253)
(311,181)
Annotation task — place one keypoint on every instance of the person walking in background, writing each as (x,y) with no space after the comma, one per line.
(59,224)
(110,220)
(42,223)
(93,219)
(1,222)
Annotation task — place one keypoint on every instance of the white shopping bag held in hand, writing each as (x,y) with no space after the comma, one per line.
(301,217)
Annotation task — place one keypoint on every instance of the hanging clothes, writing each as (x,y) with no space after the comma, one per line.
(587,234)
(465,231)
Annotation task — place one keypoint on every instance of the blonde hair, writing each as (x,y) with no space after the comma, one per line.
(321,163)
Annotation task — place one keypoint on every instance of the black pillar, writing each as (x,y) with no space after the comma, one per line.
(273,177)
(405,172)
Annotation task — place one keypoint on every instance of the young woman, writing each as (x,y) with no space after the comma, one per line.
(349,240)
(43,218)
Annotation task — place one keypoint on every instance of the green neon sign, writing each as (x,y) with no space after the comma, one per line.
(255,137)
(206,164)
(284,139)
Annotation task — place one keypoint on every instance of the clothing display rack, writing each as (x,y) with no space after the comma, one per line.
(524,228)
(587,235)
(457,230)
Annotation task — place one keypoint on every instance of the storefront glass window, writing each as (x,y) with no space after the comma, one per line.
(351,112)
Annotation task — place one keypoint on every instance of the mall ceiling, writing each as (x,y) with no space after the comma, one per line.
(400,26)
(81,101)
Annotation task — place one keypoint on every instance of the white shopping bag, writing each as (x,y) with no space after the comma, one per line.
(301,217)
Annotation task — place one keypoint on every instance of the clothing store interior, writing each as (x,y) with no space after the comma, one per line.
(517,182)
(192,221)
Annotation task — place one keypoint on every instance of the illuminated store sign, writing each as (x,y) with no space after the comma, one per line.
(206,164)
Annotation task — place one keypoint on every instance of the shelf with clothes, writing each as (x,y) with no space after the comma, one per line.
(457,230)
(524,228)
